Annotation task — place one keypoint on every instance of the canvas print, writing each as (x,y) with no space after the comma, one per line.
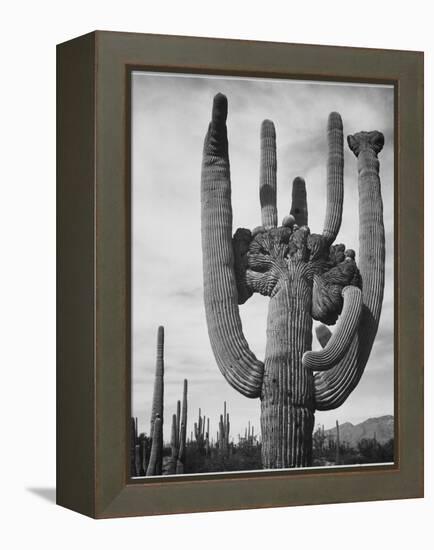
(262,274)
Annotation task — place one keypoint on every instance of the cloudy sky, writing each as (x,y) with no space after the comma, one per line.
(170,117)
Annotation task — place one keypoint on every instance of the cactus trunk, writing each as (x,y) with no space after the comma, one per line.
(287,407)
(156,458)
(155,466)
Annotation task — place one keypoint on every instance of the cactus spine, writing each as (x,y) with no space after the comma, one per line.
(305,276)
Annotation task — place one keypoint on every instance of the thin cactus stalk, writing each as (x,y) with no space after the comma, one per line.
(155,460)
(199,432)
(305,276)
(178,422)
(144,454)
(158,398)
(338,444)
(221,435)
(158,407)
(137,460)
(180,464)
(223,432)
(207,443)
(227,430)
(174,448)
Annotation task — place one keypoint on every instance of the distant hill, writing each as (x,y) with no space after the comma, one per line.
(381,427)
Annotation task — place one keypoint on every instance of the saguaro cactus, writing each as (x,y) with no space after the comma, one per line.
(156,458)
(199,432)
(223,433)
(177,436)
(182,432)
(305,276)
(207,447)
(174,446)
(158,397)
(155,465)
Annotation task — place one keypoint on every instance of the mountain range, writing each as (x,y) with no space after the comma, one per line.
(382,428)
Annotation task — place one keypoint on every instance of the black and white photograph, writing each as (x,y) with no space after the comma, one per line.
(262,274)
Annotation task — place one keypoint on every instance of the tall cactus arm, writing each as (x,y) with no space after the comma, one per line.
(299,202)
(267,175)
(158,397)
(333,387)
(238,364)
(335,177)
(344,334)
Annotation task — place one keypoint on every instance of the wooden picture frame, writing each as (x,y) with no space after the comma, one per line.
(93,375)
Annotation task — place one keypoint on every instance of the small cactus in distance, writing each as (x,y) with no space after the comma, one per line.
(178,436)
(155,466)
(180,463)
(338,444)
(223,433)
(199,432)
